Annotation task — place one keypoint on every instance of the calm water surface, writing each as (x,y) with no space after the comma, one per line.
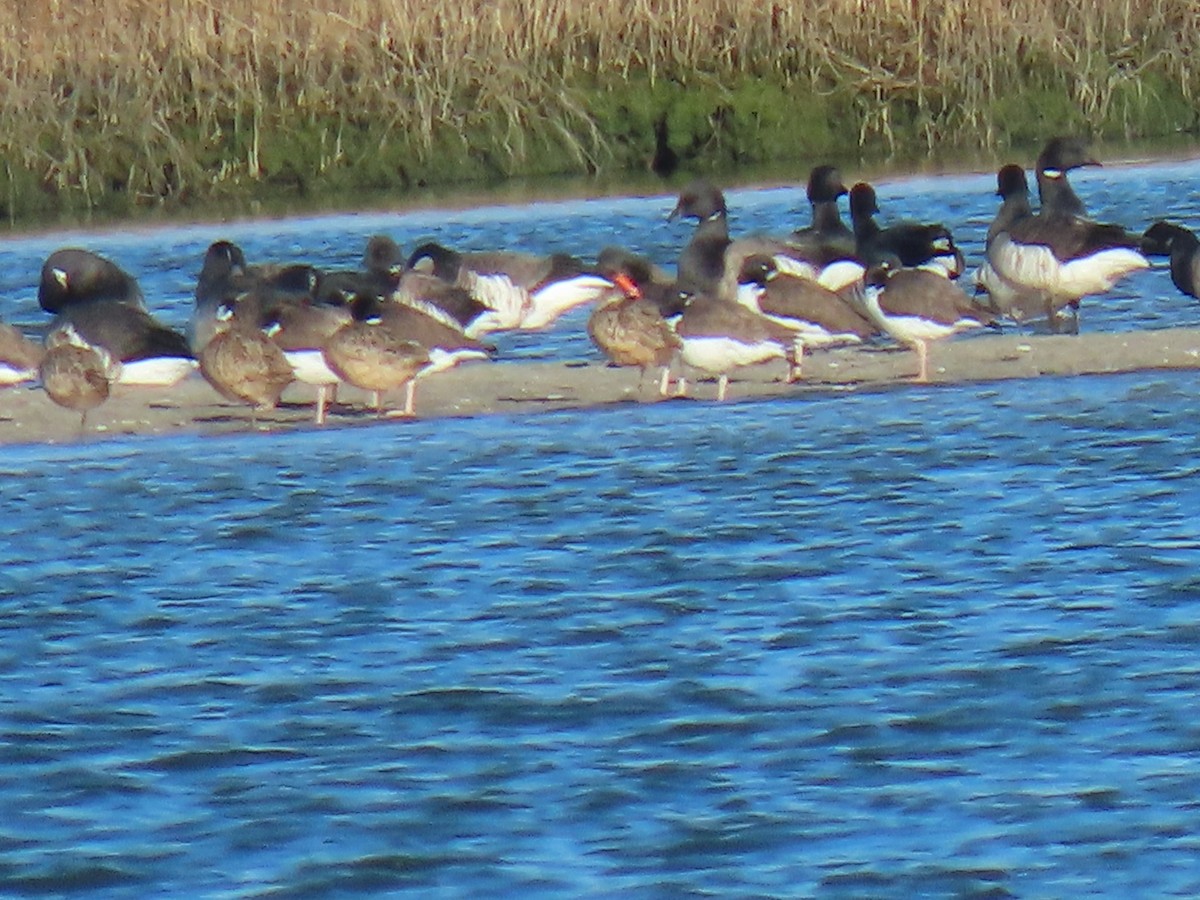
(926,642)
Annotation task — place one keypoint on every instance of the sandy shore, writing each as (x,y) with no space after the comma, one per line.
(27,415)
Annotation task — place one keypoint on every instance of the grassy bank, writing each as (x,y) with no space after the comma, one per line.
(113,103)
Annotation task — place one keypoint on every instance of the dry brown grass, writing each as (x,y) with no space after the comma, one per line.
(133,97)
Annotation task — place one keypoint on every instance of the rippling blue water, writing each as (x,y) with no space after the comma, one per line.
(934,642)
(925,642)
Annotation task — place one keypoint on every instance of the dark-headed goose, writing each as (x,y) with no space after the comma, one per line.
(1007,298)
(301,331)
(711,260)
(917,306)
(226,279)
(828,237)
(150,353)
(1058,157)
(908,244)
(520,290)
(720,335)
(1063,257)
(71,276)
(378,274)
(1183,248)
(820,318)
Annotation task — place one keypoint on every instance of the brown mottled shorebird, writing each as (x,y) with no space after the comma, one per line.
(371,356)
(75,374)
(629,328)
(243,364)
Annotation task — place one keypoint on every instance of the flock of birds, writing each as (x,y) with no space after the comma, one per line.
(732,302)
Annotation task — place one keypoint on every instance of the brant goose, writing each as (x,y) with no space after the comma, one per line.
(701,265)
(828,238)
(1007,298)
(719,335)
(301,331)
(916,306)
(520,290)
(1058,157)
(1058,255)
(150,353)
(907,244)
(379,274)
(226,279)
(1183,248)
(428,325)
(71,276)
(820,318)
(710,261)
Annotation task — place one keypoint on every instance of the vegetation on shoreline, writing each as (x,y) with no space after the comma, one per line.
(124,103)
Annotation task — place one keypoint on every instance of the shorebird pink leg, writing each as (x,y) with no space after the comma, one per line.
(410,398)
(322,391)
(664,383)
(722,386)
(681,386)
(795,365)
(922,362)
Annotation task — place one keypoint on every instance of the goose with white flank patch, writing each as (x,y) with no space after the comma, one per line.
(520,290)
(301,331)
(919,306)
(820,318)
(1058,255)
(151,354)
(1006,298)
(907,244)
(719,336)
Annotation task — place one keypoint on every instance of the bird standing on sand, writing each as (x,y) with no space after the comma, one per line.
(820,318)
(370,356)
(917,306)
(243,364)
(628,327)
(720,335)
(301,331)
(1055,254)
(75,374)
